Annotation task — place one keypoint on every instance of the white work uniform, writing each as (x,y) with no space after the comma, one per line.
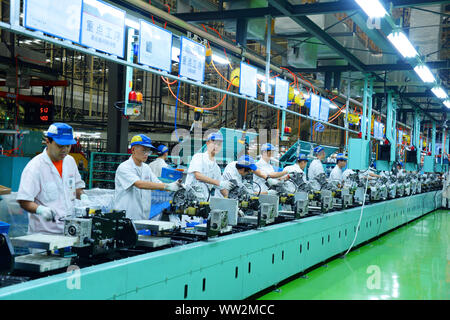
(137,202)
(157,165)
(267,169)
(41,183)
(336,174)
(314,170)
(231,173)
(296,168)
(201,163)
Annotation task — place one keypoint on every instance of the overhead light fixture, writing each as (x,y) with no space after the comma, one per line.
(219,59)
(373,8)
(402,44)
(424,73)
(447,103)
(439,92)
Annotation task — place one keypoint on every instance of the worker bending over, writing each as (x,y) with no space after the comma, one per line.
(245,165)
(135,180)
(302,161)
(50,183)
(159,163)
(266,169)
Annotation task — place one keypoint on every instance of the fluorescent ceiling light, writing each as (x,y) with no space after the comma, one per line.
(424,73)
(402,44)
(332,106)
(447,103)
(440,93)
(373,8)
(219,59)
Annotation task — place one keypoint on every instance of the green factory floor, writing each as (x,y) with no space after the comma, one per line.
(412,262)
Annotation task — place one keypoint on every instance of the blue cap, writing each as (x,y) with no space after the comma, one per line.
(317,149)
(162,149)
(302,157)
(267,147)
(247,161)
(61,133)
(341,156)
(215,136)
(142,140)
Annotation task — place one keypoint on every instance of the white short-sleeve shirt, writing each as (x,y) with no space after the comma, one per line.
(41,183)
(314,170)
(137,202)
(266,168)
(296,168)
(336,174)
(201,163)
(157,165)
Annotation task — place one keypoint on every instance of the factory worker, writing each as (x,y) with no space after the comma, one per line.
(336,174)
(50,183)
(204,172)
(400,170)
(302,161)
(135,180)
(159,163)
(316,167)
(245,165)
(265,167)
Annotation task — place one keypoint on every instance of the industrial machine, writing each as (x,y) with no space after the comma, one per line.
(221,214)
(294,196)
(322,200)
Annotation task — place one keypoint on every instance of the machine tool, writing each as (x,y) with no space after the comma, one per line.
(221,214)
(321,200)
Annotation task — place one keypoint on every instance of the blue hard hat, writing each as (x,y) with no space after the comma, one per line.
(215,136)
(142,140)
(61,133)
(302,157)
(162,149)
(247,162)
(267,147)
(317,149)
(341,156)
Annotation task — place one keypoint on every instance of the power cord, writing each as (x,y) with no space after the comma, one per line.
(360,218)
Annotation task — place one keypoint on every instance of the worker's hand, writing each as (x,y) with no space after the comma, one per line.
(272,192)
(173,187)
(273,182)
(225,184)
(47,213)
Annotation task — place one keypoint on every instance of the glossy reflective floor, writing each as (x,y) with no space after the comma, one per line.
(412,262)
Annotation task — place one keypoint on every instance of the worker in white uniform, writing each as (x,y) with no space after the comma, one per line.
(135,180)
(302,161)
(50,183)
(336,175)
(159,163)
(245,165)
(265,167)
(316,167)
(204,173)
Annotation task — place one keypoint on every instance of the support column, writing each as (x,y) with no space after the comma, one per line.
(241,39)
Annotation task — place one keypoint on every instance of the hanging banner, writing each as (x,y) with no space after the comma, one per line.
(247,80)
(154,44)
(192,60)
(60,19)
(103,27)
